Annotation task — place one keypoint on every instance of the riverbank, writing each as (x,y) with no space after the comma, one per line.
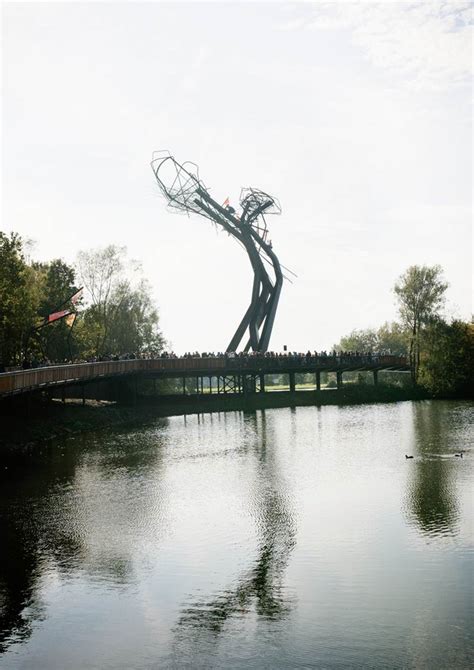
(43,419)
(46,419)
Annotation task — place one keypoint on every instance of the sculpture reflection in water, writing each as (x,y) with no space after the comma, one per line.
(431,495)
(260,588)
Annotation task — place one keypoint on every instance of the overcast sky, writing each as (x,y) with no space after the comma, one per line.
(356,116)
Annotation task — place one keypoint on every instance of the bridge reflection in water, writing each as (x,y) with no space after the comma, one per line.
(224,374)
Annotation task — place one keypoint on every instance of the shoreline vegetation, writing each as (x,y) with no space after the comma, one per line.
(48,419)
(53,313)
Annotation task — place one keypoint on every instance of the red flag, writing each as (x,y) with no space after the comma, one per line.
(77,296)
(58,315)
(226,202)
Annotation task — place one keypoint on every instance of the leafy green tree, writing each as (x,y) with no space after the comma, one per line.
(101,271)
(19,298)
(133,323)
(420,293)
(392,337)
(358,340)
(58,285)
(389,337)
(447,364)
(121,317)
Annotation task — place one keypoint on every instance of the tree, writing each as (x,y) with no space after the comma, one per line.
(19,297)
(133,325)
(121,317)
(420,293)
(447,365)
(392,337)
(58,285)
(358,340)
(389,337)
(101,271)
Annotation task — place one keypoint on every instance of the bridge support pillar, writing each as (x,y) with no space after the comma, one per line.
(249,384)
(376,377)
(83,388)
(318,380)
(292,382)
(262,382)
(339,380)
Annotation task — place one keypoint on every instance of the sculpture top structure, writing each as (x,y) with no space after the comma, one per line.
(185,192)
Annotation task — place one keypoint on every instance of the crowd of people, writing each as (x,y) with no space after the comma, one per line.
(293,357)
(33,363)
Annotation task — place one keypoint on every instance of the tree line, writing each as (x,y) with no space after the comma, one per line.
(117,315)
(441,353)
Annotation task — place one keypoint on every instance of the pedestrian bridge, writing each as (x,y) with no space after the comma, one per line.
(226,374)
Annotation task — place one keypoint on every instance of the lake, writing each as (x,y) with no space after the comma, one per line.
(281,538)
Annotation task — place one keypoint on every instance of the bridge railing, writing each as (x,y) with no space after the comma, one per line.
(288,362)
(23,380)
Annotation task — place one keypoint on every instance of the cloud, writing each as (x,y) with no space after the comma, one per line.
(428,44)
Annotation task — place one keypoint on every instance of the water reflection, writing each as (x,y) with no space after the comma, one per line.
(17,584)
(59,505)
(23,555)
(261,586)
(432,487)
(175,545)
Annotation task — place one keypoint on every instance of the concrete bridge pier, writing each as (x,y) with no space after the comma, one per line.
(339,379)
(318,380)
(119,390)
(262,383)
(376,377)
(291,375)
(250,383)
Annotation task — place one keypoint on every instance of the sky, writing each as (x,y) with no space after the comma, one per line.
(356,116)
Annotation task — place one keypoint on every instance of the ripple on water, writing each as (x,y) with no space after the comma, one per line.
(271,539)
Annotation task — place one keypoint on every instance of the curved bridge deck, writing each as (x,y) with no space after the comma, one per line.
(246,369)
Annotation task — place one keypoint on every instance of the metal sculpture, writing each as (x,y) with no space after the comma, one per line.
(185,192)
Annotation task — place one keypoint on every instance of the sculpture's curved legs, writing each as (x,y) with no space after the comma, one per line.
(185,192)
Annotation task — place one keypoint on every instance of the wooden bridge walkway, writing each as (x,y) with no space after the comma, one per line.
(232,374)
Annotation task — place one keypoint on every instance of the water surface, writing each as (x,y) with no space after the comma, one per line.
(283,538)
